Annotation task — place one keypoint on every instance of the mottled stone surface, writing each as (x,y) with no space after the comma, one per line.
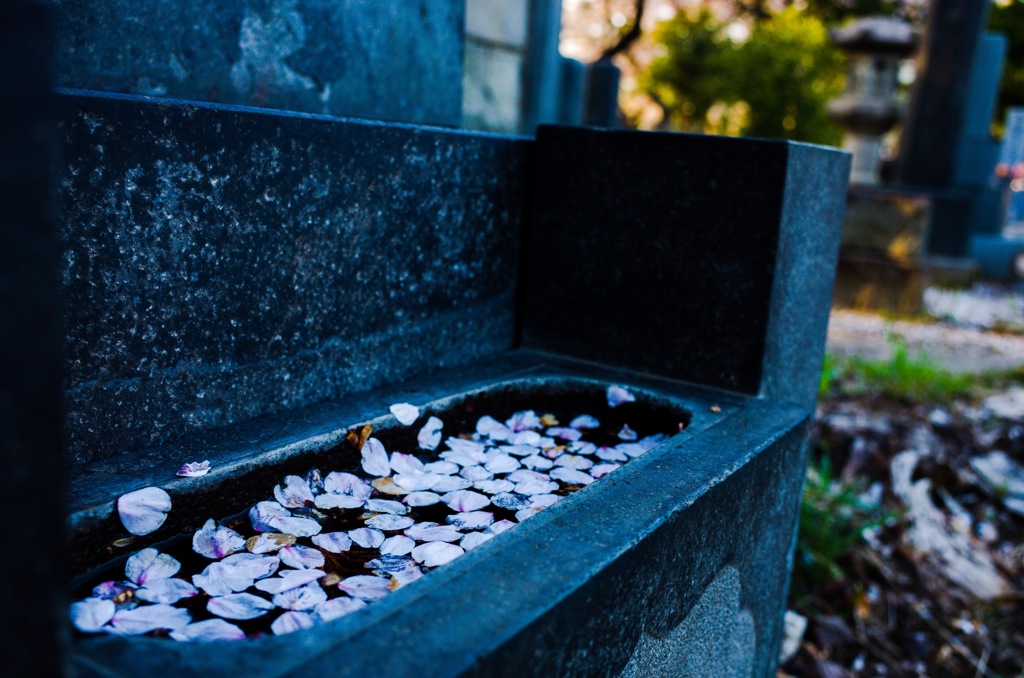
(222,263)
(399,60)
(33,610)
(703,258)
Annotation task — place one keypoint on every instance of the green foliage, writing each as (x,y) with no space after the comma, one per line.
(915,378)
(774,84)
(829,373)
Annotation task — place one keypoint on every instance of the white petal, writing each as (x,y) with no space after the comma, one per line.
(471,520)
(536,461)
(406,463)
(365,587)
(564,433)
(433,532)
(476,473)
(335,542)
(109,590)
(463,446)
(492,428)
(539,501)
(389,523)
(627,433)
(347,483)
(294,493)
(520,421)
(91,614)
(526,513)
(531,438)
(252,565)
(602,470)
(422,498)
(511,502)
(494,486)
(144,511)
(429,436)
(571,476)
(150,565)
(337,607)
(617,395)
(235,573)
(581,447)
(239,606)
(500,526)
(387,506)
(270,542)
(366,537)
(631,450)
(289,579)
(519,450)
(445,468)
(301,557)
(264,512)
(301,598)
(194,469)
(474,539)
(405,413)
(399,545)
(436,553)
(535,487)
(210,629)
(465,500)
(375,459)
(501,463)
(291,621)
(343,501)
(584,421)
(417,482)
(451,484)
(300,527)
(146,618)
(216,542)
(167,591)
(522,474)
(574,462)
(611,454)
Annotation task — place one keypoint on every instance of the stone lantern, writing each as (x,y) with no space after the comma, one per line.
(868,109)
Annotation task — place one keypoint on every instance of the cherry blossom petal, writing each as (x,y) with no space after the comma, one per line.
(301,598)
(387,506)
(300,527)
(520,421)
(315,481)
(328,501)
(572,476)
(335,542)
(262,514)
(167,591)
(611,454)
(653,441)
(601,470)
(253,565)
(465,500)
(535,487)
(500,526)
(210,629)
(631,450)
(239,606)
(109,590)
(367,537)
(375,458)
(519,450)
(584,422)
(194,469)
(526,513)
(452,484)
(429,436)
(291,621)
(574,462)
(539,501)
(531,438)
(494,486)
(399,545)
(564,433)
(390,564)
(337,607)
(91,614)
(294,493)
(463,446)
(476,473)
(422,498)
(511,502)
(538,462)
(150,565)
(389,523)
(215,541)
(627,433)
(347,484)
(406,463)
(405,413)
(492,428)
(365,587)
(436,553)
(471,520)
(433,532)
(288,579)
(143,511)
(617,395)
(146,618)
(388,486)
(301,557)
(522,475)
(581,447)
(417,482)
(501,463)
(445,468)
(270,542)
(464,458)
(474,539)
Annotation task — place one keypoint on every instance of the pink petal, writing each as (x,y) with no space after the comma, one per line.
(539,501)
(150,565)
(494,486)
(536,487)
(146,618)
(91,614)
(584,421)
(294,493)
(216,542)
(501,463)
(264,512)
(210,629)
(366,537)
(144,511)
(194,469)
(476,473)
(375,459)
(301,598)
(526,513)
(365,587)
(291,621)
(406,463)
(465,500)
(429,436)
(239,606)
(337,607)
(436,553)
(301,557)
(405,413)
(335,542)
(300,527)
(618,395)
(289,579)
(167,591)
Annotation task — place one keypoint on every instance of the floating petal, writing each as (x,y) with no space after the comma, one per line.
(422,498)
(289,579)
(167,591)
(611,454)
(113,590)
(365,587)
(500,526)
(366,537)
(335,542)
(531,438)
(264,513)
(476,473)
(290,622)
(572,476)
(194,469)
(632,450)
(294,493)
(338,607)
(301,557)
(329,501)
(617,396)
(429,436)
(521,421)
(522,475)
(391,564)
(569,434)
(91,614)
(216,542)
(536,487)
(301,598)
(584,422)
(270,542)
(627,433)
(144,511)
(235,573)
(511,502)
(474,539)
(406,463)
(347,484)
(452,484)
(602,470)
(445,468)
(463,446)
(390,523)
(210,629)
(535,461)
(375,459)
(490,427)
(150,565)
(581,447)
(501,463)
(465,500)
(239,606)
(494,486)
(388,486)
(433,532)
(417,482)
(539,501)
(471,520)
(387,506)
(148,618)
(526,513)
(405,413)
(574,462)
(300,527)
(436,553)
(399,545)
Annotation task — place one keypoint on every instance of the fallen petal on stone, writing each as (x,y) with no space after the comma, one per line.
(301,557)
(239,606)
(210,629)
(144,511)
(335,542)
(149,565)
(167,591)
(429,436)
(146,618)
(91,614)
(617,396)
(436,553)
(290,622)
(367,537)
(215,541)
(365,587)
(405,413)
(375,459)
(301,598)
(194,469)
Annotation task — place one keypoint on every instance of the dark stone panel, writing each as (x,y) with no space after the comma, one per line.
(654,250)
(398,60)
(222,263)
(33,611)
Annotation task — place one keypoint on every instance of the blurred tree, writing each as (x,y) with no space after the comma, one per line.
(1008,18)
